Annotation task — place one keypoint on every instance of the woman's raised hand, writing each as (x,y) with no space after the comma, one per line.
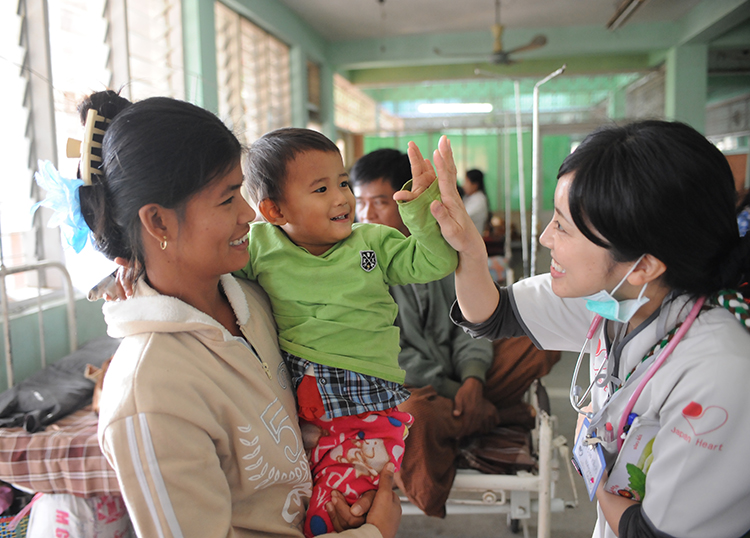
(475,291)
(455,223)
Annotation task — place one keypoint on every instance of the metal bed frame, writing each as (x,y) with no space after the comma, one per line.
(39,267)
(523,494)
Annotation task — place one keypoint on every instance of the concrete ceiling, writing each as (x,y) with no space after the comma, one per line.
(346,20)
(404,51)
(395,41)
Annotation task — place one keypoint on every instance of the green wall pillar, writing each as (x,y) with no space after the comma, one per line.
(686,85)
(199,42)
(298,73)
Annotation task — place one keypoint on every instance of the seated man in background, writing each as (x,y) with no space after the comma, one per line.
(459,386)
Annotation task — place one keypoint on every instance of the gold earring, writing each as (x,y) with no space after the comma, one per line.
(163,243)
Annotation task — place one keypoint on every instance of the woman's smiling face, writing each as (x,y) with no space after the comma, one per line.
(579,267)
(212,237)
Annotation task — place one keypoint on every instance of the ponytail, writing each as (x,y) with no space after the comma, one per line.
(734,271)
(108,237)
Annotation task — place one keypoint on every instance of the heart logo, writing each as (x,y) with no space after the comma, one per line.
(704,420)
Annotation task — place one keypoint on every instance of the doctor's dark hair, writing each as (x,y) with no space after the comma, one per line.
(388,164)
(660,188)
(159,150)
(268,157)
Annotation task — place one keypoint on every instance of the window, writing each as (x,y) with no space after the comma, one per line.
(51,55)
(16,227)
(356,112)
(155,61)
(254,77)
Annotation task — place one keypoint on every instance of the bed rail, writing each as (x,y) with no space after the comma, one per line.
(39,267)
(519,495)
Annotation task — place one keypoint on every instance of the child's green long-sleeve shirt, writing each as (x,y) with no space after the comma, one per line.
(335,309)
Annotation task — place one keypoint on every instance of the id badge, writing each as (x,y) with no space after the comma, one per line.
(590,460)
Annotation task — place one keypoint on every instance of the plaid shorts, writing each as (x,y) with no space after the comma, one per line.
(345,393)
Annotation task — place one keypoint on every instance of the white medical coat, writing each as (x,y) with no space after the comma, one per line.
(699,482)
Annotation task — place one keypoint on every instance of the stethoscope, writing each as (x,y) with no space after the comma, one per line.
(576,398)
(575,389)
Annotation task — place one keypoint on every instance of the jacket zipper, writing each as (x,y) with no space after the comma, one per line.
(263,363)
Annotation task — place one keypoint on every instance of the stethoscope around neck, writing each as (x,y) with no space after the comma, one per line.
(577,399)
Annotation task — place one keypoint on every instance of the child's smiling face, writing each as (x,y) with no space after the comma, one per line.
(318,204)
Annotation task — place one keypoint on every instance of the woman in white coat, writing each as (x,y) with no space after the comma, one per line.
(644,235)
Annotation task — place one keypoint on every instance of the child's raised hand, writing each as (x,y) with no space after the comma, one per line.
(422,174)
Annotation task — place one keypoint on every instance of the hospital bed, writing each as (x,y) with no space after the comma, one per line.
(526,494)
(53,449)
(64,457)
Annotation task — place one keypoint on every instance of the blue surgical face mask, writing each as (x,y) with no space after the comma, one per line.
(604,304)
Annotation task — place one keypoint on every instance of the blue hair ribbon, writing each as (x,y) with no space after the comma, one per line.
(63,197)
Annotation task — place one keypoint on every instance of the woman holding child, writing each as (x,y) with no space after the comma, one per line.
(197,416)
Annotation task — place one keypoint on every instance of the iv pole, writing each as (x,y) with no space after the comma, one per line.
(535,179)
(521,182)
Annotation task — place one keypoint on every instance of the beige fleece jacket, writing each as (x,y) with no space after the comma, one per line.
(202,430)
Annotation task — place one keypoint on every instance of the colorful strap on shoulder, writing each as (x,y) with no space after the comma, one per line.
(734,301)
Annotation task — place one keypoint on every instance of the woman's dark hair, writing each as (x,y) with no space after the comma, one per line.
(158,150)
(388,164)
(477,178)
(268,157)
(660,188)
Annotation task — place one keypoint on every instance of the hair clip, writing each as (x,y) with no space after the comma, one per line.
(90,149)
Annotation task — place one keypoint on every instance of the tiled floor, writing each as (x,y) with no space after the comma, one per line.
(572,523)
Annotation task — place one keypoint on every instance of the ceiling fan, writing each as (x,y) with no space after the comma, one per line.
(499,55)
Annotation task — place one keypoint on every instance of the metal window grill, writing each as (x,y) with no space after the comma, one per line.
(253,75)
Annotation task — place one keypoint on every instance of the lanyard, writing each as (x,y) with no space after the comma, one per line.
(576,399)
(666,352)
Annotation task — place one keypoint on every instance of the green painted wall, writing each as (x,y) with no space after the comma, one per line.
(25,340)
(481,151)
(686,85)
(199,50)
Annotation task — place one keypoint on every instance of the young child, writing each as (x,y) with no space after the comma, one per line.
(328,282)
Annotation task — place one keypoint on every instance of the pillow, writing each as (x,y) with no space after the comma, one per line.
(55,391)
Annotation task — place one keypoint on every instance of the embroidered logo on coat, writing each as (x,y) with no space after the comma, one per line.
(704,420)
(368,260)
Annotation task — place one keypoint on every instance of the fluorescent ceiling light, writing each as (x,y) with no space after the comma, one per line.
(454,108)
